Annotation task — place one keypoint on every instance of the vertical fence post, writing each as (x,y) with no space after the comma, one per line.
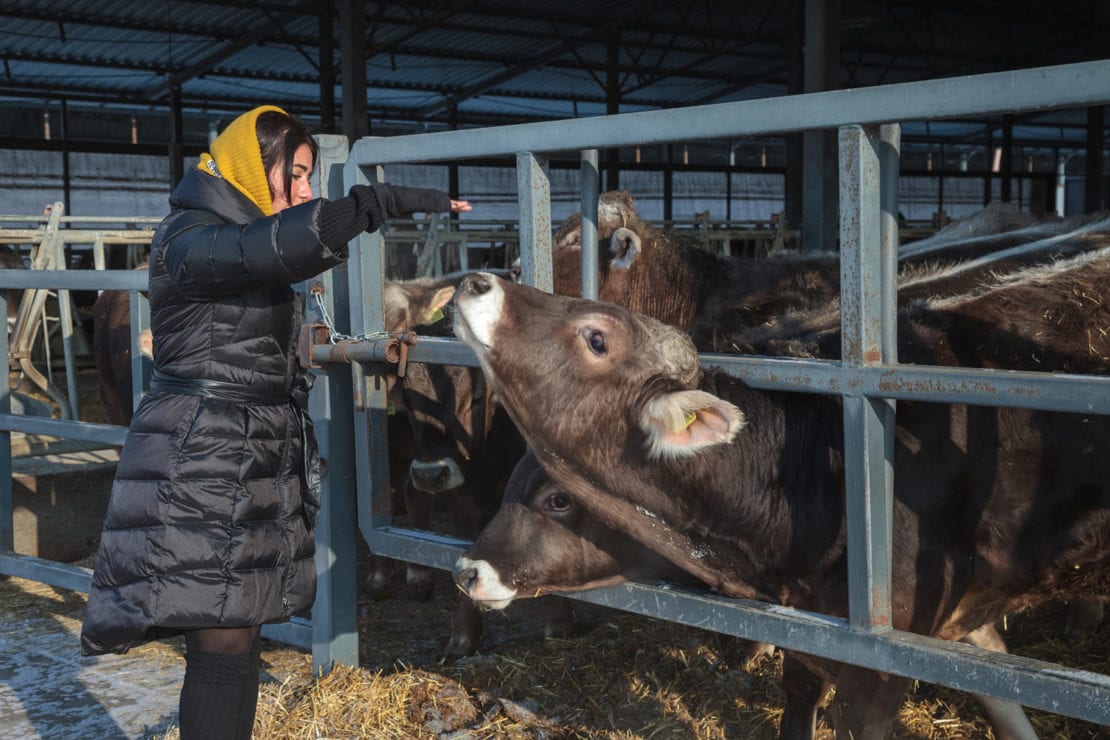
(365,279)
(140,367)
(890,153)
(534,193)
(589,183)
(334,613)
(7,526)
(868,431)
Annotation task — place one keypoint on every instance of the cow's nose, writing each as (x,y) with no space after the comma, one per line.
(476,284)
(466,578)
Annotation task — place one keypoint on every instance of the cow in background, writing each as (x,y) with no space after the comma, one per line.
(682,431)
(111,314)
(656,272)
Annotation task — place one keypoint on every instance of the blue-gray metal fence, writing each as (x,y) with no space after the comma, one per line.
(868,378)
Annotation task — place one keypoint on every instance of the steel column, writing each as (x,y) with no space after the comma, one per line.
(140,322)
(589,185)
(7,525)
(365,278)
(534,191)
(868,422)
(334,614)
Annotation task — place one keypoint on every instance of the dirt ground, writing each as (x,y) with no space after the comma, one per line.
(618,676)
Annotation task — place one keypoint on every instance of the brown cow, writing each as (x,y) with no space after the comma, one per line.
(762,513)
(112,353)
(655,272)
(463,448)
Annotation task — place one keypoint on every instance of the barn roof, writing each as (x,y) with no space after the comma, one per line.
(484,62)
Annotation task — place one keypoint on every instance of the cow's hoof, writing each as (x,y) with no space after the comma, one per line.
(460,646)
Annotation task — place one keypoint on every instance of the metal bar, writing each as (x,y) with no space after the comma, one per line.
(334,627)
(140,322)
(427,349)
(62,575)
(1049,392)
(296,632)
(365,278)
(70,280)
(534,193)
(1037,684)
(589,182)
(868,474)
(65,322)
(890,149)
(7,523)
(83,430)
(1042,88)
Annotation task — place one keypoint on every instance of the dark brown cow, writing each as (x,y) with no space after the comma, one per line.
(653,272)
(112,353)
(762,514)
(465,448)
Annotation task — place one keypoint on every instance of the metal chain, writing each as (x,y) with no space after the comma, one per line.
(336,336)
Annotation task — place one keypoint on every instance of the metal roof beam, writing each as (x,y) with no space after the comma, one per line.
(205,64)
(543,56)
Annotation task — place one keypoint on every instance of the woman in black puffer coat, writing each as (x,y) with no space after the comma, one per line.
(210,526)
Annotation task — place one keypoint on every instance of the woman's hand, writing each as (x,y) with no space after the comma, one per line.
(458,206)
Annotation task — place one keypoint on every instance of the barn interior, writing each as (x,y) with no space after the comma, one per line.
(104,104)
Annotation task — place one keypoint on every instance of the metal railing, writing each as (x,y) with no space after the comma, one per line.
(867,378)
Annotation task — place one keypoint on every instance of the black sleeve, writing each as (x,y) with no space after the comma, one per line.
(366,207)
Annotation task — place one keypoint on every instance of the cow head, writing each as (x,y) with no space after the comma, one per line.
(562,365)
(407,304)
(543,541)
(452,415)
(615,210)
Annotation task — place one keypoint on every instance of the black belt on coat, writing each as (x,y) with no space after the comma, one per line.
(221,390)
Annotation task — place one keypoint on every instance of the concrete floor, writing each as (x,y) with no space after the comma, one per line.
(48,690)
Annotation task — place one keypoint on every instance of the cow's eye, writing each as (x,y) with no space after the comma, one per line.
(596,341)
(557,503)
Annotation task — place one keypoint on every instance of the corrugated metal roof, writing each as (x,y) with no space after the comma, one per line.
(499,61)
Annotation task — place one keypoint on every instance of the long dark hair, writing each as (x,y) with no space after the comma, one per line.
(279,137)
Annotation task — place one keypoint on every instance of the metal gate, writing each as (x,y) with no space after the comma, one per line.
(868,378)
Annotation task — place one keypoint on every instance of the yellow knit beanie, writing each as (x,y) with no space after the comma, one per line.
(237,157)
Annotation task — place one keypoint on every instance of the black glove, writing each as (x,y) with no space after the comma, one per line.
(400,200)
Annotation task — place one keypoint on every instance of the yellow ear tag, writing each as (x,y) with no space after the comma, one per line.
(687,420)
(436,316)
(390,409)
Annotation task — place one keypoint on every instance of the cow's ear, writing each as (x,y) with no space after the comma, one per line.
(683,423)
(432,311)
(624,246)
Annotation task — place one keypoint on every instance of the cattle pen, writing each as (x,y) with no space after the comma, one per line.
(868,378)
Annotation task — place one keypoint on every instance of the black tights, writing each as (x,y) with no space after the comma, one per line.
(220,692)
